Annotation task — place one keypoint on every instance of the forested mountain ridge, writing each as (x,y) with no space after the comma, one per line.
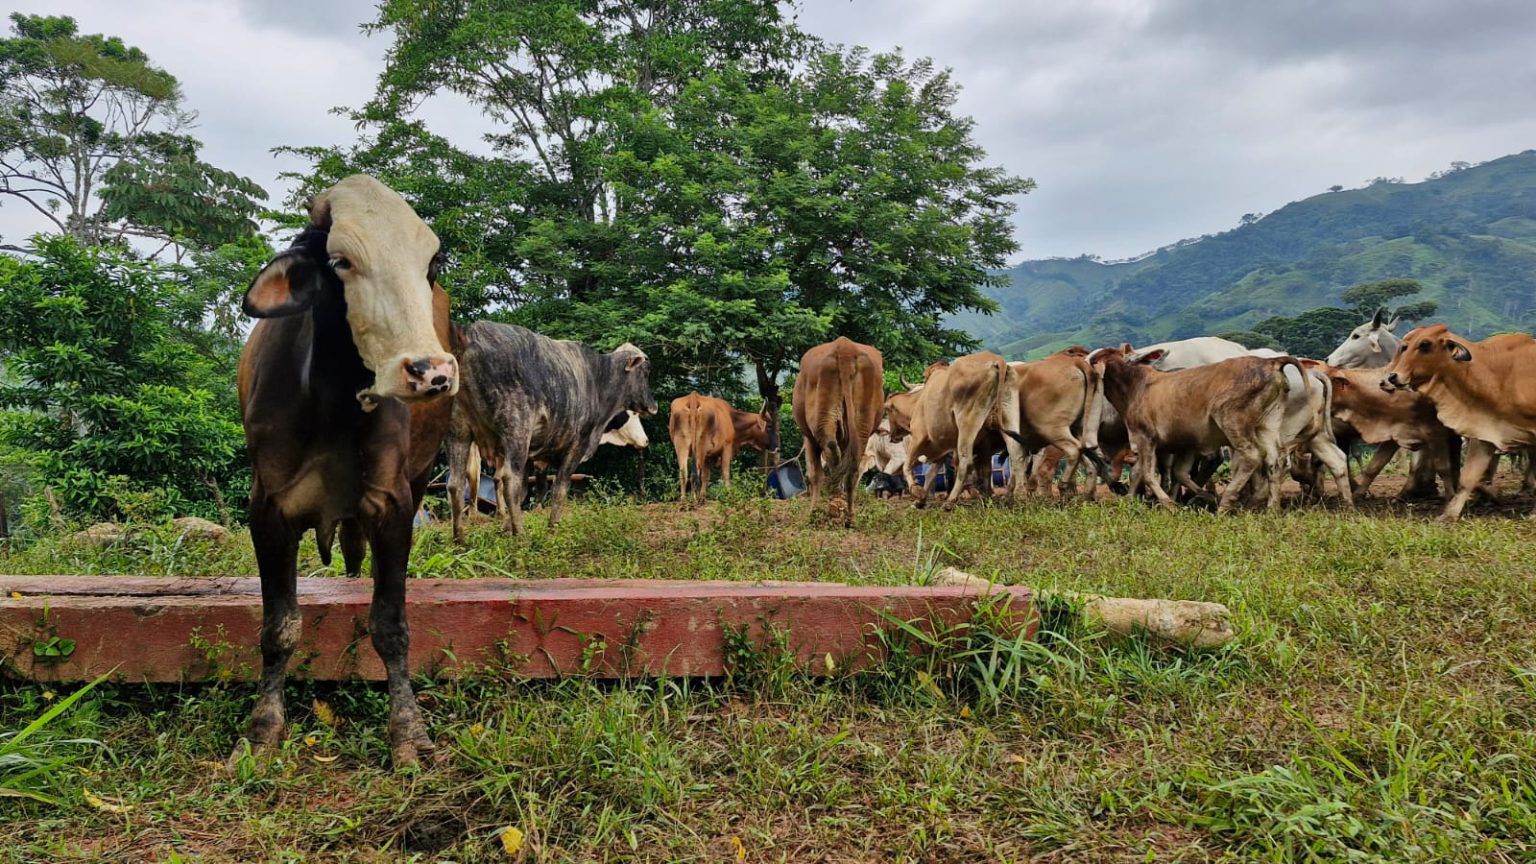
(1467,234)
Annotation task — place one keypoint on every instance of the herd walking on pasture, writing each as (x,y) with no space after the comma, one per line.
(353,377)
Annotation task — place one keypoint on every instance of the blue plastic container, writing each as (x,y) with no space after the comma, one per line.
(941,483)
(1002,472)
(786,480)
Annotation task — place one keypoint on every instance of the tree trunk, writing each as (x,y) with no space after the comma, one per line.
(768,388)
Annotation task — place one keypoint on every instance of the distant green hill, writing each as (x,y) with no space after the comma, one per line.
(1468,235)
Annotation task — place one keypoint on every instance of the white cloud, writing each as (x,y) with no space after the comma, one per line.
(1143,122)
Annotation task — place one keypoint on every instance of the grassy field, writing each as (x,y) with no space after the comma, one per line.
(1379,705)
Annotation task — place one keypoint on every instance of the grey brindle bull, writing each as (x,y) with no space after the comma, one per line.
(533,397)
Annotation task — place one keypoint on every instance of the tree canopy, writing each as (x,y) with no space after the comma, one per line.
(700,178)
(93,137)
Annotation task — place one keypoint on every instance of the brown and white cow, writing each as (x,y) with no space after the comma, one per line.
(882,452)
(340,391)
(1484,391)
(705,429)
(956,405)
(836,401)
(1307,426)
(1237,403)
(1399,420)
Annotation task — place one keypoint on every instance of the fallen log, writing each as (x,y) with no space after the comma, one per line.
(1183,622)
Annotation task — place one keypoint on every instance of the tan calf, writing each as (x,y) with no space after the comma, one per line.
(1056,401)
(1237,403)
(1483,391)
(977,393)
(1391,421)
(706,429)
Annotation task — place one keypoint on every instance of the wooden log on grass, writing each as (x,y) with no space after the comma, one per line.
(1184,622)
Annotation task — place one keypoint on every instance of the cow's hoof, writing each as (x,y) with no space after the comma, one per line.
(246,749)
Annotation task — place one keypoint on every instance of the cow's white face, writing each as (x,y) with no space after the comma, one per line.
(383,255)
(630,434)
(1369,346)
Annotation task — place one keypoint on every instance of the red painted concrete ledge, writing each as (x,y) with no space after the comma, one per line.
(73,628)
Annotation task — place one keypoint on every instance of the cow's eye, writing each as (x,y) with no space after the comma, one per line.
(1356,336)
(1425,347)
(340,262)
(434,267)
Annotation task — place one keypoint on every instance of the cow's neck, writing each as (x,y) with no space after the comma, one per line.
(333,370)
(1123,382)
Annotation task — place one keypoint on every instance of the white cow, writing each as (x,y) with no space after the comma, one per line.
(630,434)
(883,454)
(1308,422)
(1372,345)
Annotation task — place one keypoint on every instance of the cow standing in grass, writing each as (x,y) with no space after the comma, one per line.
(1390,421)
(836,402)
(1484,391)
(1237,403)
(343,392)
(550,400)
(956,406)
(1056,414)
(706,429)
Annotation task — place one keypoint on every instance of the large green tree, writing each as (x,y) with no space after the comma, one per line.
(116,395)
(93,138)
(847,200)
(694,175)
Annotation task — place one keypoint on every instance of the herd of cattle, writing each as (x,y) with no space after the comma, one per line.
(1175,407)
(353,377)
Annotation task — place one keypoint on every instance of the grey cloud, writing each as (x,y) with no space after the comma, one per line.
(1144,121)
(341,18)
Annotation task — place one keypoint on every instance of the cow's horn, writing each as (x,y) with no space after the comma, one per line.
(1376,319)
(908,384)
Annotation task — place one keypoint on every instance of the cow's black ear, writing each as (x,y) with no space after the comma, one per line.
(1459,352)
(288,285)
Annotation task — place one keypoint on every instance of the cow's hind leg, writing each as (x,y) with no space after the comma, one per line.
(512,478)
(1328,453)
(813,471)
(1246,461)
(562,488)
(683,492)
(277,554)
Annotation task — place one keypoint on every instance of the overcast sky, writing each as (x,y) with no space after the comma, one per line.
(1143,121)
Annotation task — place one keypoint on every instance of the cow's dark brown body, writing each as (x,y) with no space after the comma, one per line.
(329,451)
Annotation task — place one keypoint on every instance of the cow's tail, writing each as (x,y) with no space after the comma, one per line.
(1093,409)
(1278,365)
(701,429)
(842,451)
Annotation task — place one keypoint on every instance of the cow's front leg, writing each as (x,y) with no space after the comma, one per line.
(277,552)
(387,513)
(463,492)
(562,488)
(512,477)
